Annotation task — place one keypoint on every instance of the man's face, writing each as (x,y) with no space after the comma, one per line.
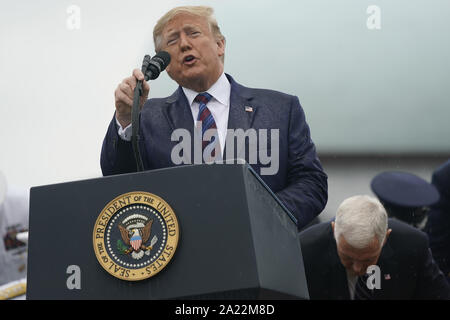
(355,260)
(195,53)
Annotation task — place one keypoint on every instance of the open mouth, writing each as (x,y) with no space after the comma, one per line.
(189,59)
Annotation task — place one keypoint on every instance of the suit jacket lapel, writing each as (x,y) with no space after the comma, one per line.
(179,116)
(178,112)
(239,117)
(388,267)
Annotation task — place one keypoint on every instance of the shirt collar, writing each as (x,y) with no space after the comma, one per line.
(220,91)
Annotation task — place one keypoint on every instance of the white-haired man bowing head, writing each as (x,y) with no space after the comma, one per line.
(363,255)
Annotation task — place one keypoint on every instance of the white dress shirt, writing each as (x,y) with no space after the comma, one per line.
(219,106)
(351,282)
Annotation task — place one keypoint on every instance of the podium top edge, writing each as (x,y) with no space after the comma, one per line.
(134,173)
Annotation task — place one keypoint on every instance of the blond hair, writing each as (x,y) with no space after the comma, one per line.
(202,11)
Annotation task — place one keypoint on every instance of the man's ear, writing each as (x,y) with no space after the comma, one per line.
(221,46)
(387,236)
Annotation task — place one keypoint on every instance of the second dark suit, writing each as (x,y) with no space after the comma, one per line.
(407,268)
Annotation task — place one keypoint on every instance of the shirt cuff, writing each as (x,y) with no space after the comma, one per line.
(124,133)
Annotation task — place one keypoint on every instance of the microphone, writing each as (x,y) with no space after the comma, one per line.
(145,63)
(151,68)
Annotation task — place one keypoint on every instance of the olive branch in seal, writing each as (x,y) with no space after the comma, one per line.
(121,247)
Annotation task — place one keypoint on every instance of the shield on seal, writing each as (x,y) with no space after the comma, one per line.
(136,241)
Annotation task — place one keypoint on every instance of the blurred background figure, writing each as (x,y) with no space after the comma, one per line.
(438,226)
(405,196)
(14,207)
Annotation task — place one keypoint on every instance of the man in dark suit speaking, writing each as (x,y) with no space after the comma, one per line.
(363,255)
(208,99)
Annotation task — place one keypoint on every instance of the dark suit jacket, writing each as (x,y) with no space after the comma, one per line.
(407,268)
(300,182)
(438,225)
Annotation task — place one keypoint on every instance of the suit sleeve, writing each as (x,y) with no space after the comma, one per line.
(306,193)
(431,282)
(117,154)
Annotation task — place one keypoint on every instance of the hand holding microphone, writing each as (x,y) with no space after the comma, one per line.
(124,97)
(125,92)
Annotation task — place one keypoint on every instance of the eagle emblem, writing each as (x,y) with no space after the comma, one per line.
(135,232)
(135,236)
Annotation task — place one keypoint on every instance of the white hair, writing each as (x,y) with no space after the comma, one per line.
(359,219)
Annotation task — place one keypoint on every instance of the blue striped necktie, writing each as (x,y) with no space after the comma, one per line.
(207,119)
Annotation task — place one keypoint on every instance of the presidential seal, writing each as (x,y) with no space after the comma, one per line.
(135,236)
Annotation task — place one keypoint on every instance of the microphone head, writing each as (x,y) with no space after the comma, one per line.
(157,64)
(165,56)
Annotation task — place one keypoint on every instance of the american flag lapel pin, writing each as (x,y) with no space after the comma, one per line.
(387,277)
(248,109)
